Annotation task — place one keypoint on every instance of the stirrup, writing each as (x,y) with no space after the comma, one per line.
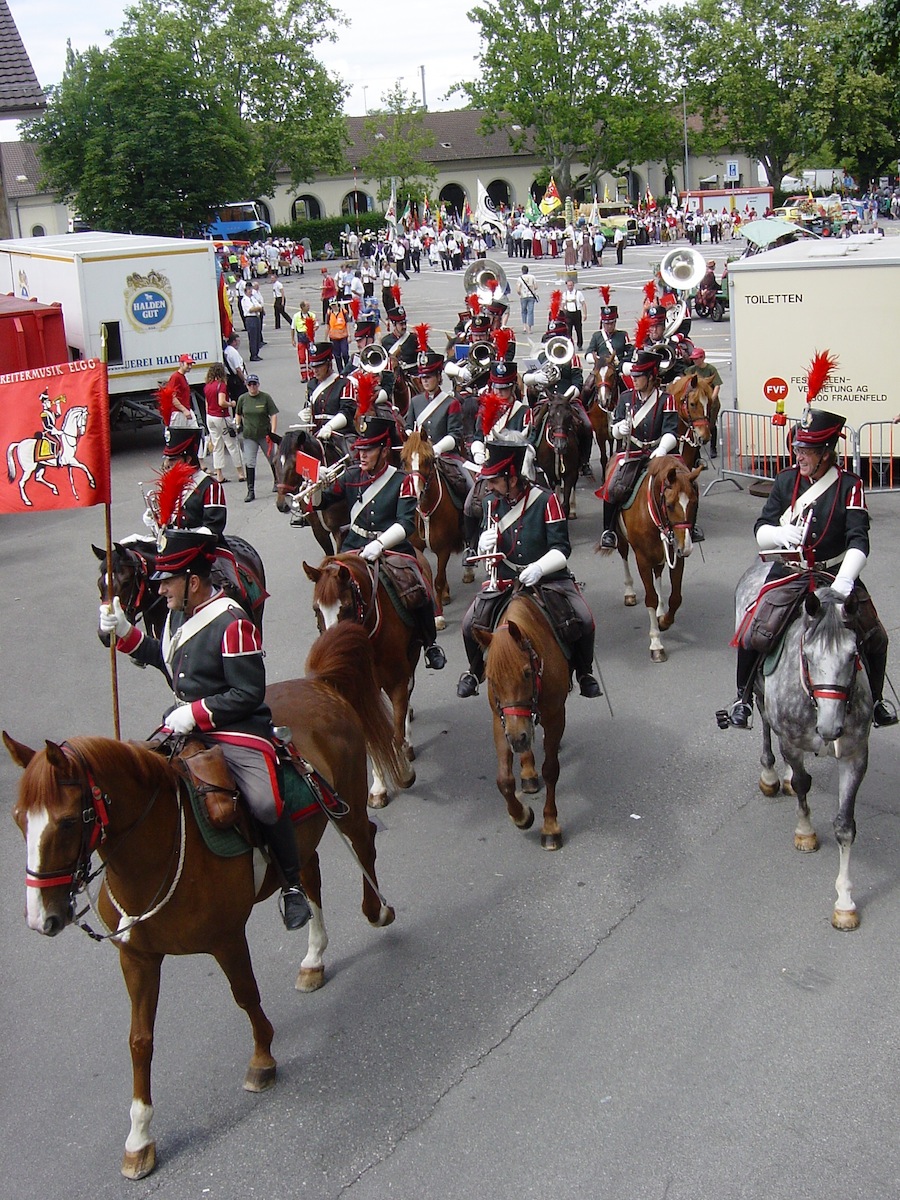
(435,657)
(467,686)
(589,686)
(609,540)
(741,714)
(294,906)
(883,714)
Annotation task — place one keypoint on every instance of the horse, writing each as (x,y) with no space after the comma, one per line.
(816,699)
(133,564)
(329,524)
(600,396)
(442,521)
(346,589)
(657,525)
(23,454)
(559,450)
(693,397)
(528,682)
(128,801)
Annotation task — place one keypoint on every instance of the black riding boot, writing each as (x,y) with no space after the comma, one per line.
(742,709)
(434,655)
(609,539)
(883,712)
(281,841)
(251,482)
(583,665)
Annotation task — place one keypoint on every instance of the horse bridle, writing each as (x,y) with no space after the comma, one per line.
(826,691)
(517,709)
(659,512)
(690,437)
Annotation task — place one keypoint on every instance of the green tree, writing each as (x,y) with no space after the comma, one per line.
(398,142)
(575,81)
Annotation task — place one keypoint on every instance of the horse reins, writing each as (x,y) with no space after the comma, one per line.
(516,709)
(659,514)
(826,691)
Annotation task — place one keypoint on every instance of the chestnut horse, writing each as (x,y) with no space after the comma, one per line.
(657,525)
(600,396)
(528,682)
(559,451)
(127,801)
(442,521)
(693,401)
(327,525)
(347,589)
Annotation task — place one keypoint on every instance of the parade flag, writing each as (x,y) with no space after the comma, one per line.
(651,202)
(441,218)
(407,213)
(426,211)
(606,193)
(486,210)
(594,218)
(532,212)
(54,427)
(467,216)
(224,308)
(551,200)
(391,215)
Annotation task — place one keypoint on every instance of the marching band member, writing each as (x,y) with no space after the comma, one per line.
(325,396)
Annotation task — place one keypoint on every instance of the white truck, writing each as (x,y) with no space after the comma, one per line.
(156,296)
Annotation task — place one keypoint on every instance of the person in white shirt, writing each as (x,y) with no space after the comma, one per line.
(574,309)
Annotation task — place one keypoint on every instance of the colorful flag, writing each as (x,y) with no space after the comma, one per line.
(532,212)
(407,213)
(467,216)
(486,211)
(54,427)
(594,218)
(224,307)
(441,218)
(551,200)
(391,215)
(651,201)
(426,211)
(606,193)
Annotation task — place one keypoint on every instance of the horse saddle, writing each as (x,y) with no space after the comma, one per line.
(46,450)
(623,481)
(404,581)
(456,480)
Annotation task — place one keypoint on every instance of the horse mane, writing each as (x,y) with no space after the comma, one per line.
(829,625)
(416,443)
(505,654)
(105,756)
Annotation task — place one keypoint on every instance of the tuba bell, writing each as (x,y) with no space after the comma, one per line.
(682,268)
(559,352)
(485,274)
(373,359)
(480,356)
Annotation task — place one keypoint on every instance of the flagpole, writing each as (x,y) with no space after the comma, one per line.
(113,664)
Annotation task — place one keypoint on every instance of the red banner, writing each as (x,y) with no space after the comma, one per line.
(54,429)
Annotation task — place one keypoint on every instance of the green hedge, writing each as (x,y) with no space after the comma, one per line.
(329,229)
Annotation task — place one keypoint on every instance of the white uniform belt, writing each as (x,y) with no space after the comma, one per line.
(366,533)
(832,564)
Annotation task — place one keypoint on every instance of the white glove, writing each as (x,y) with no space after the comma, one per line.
(547,564)
(532,574)
(325,432)
(845,580)
(667,443)
(180,720)
(113,619)
(571,392)
(371,551)
(305,415)
(778,537)
(621,429)
(536,379)
(479,453)
(843,586)
(149,519)
(339,421)
(444,446)
(487,543)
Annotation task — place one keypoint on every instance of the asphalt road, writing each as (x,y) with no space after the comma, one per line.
(661,1009)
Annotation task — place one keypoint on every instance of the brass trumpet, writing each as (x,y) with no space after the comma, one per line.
(559,352)
(373,359)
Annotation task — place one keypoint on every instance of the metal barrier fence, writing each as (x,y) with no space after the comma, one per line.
(751,447)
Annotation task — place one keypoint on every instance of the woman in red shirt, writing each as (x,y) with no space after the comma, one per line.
(219,412)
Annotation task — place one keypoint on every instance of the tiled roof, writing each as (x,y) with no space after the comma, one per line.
(456,137)
(20,92)
(20,170)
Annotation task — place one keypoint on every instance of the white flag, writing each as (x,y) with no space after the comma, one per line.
(391,215)
(486,211)
(594,218)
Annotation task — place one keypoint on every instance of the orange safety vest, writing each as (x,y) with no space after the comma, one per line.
(337,325)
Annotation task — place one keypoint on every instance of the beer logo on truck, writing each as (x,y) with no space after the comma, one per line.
(148,300)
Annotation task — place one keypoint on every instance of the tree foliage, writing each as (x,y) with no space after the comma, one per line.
(575,81)
(398,143)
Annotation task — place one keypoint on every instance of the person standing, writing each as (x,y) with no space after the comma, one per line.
(278,301)
(527,291)
(303,335)
(574,310)
(329,291)
(338,333)
(251,311)
(235,369)
(256,418)
(620,237)
(220,423)
(180,391)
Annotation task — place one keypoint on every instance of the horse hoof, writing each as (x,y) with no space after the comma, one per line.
(551,841)
(385,917)
(409,753)
(531,785)
(666,622)
(259,1079)
(377,800)
(468,575)
(137,1164)
(310,979)
(631,601)
(787,787)
(440,623)
(845,919)
(658,656)
(806,843)
(769,789)
(527,820)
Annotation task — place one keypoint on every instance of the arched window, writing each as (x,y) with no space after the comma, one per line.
(306,208)
(356,202)
(501,194)
(38,231)
(455,198)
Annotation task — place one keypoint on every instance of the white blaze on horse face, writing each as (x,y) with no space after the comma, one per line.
(35,826)
(329,614)
(415,471)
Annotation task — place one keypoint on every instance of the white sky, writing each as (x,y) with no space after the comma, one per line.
(385,40)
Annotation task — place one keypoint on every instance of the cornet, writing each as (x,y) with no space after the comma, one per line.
(327,476)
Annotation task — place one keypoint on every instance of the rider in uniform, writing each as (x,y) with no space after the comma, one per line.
(203,498)
(647,420)
(327,404)
(608,340)
(49,443)
(527,525)
(570,383)
(837,536)
(213,653)
(382,502)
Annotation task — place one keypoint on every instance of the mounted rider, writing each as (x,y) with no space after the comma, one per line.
(382,501)
(608,341)
(819,508)
(438,414)
(327,404)
(48,441)
(214,654)
(527,526)
(563,378)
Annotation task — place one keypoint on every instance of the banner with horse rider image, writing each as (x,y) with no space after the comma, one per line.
(54,427)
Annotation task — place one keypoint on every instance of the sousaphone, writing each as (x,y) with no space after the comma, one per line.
(485,274)
(681,269)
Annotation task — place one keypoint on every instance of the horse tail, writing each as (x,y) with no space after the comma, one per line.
(342,658)
(10,461)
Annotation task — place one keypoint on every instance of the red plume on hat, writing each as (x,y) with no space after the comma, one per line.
(355,307)
(502,338)
(165,398)
(604,295)
(367,386)
(650,292)
(170,492)
(555,304)
(641,331)
(473,304)
(489,409)
(820,370)
(310,323)
(395,292)
(421,332)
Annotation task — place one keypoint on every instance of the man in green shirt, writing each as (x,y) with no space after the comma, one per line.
(256,417)
(705,370)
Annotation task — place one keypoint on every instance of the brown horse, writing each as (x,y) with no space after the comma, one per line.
(127,801)
(528,682)
(558,450)
(442,521)
(327,525)
(693,398)
(347,589)
(657,525)
(600,396)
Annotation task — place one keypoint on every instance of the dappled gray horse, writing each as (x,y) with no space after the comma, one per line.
(816,699)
